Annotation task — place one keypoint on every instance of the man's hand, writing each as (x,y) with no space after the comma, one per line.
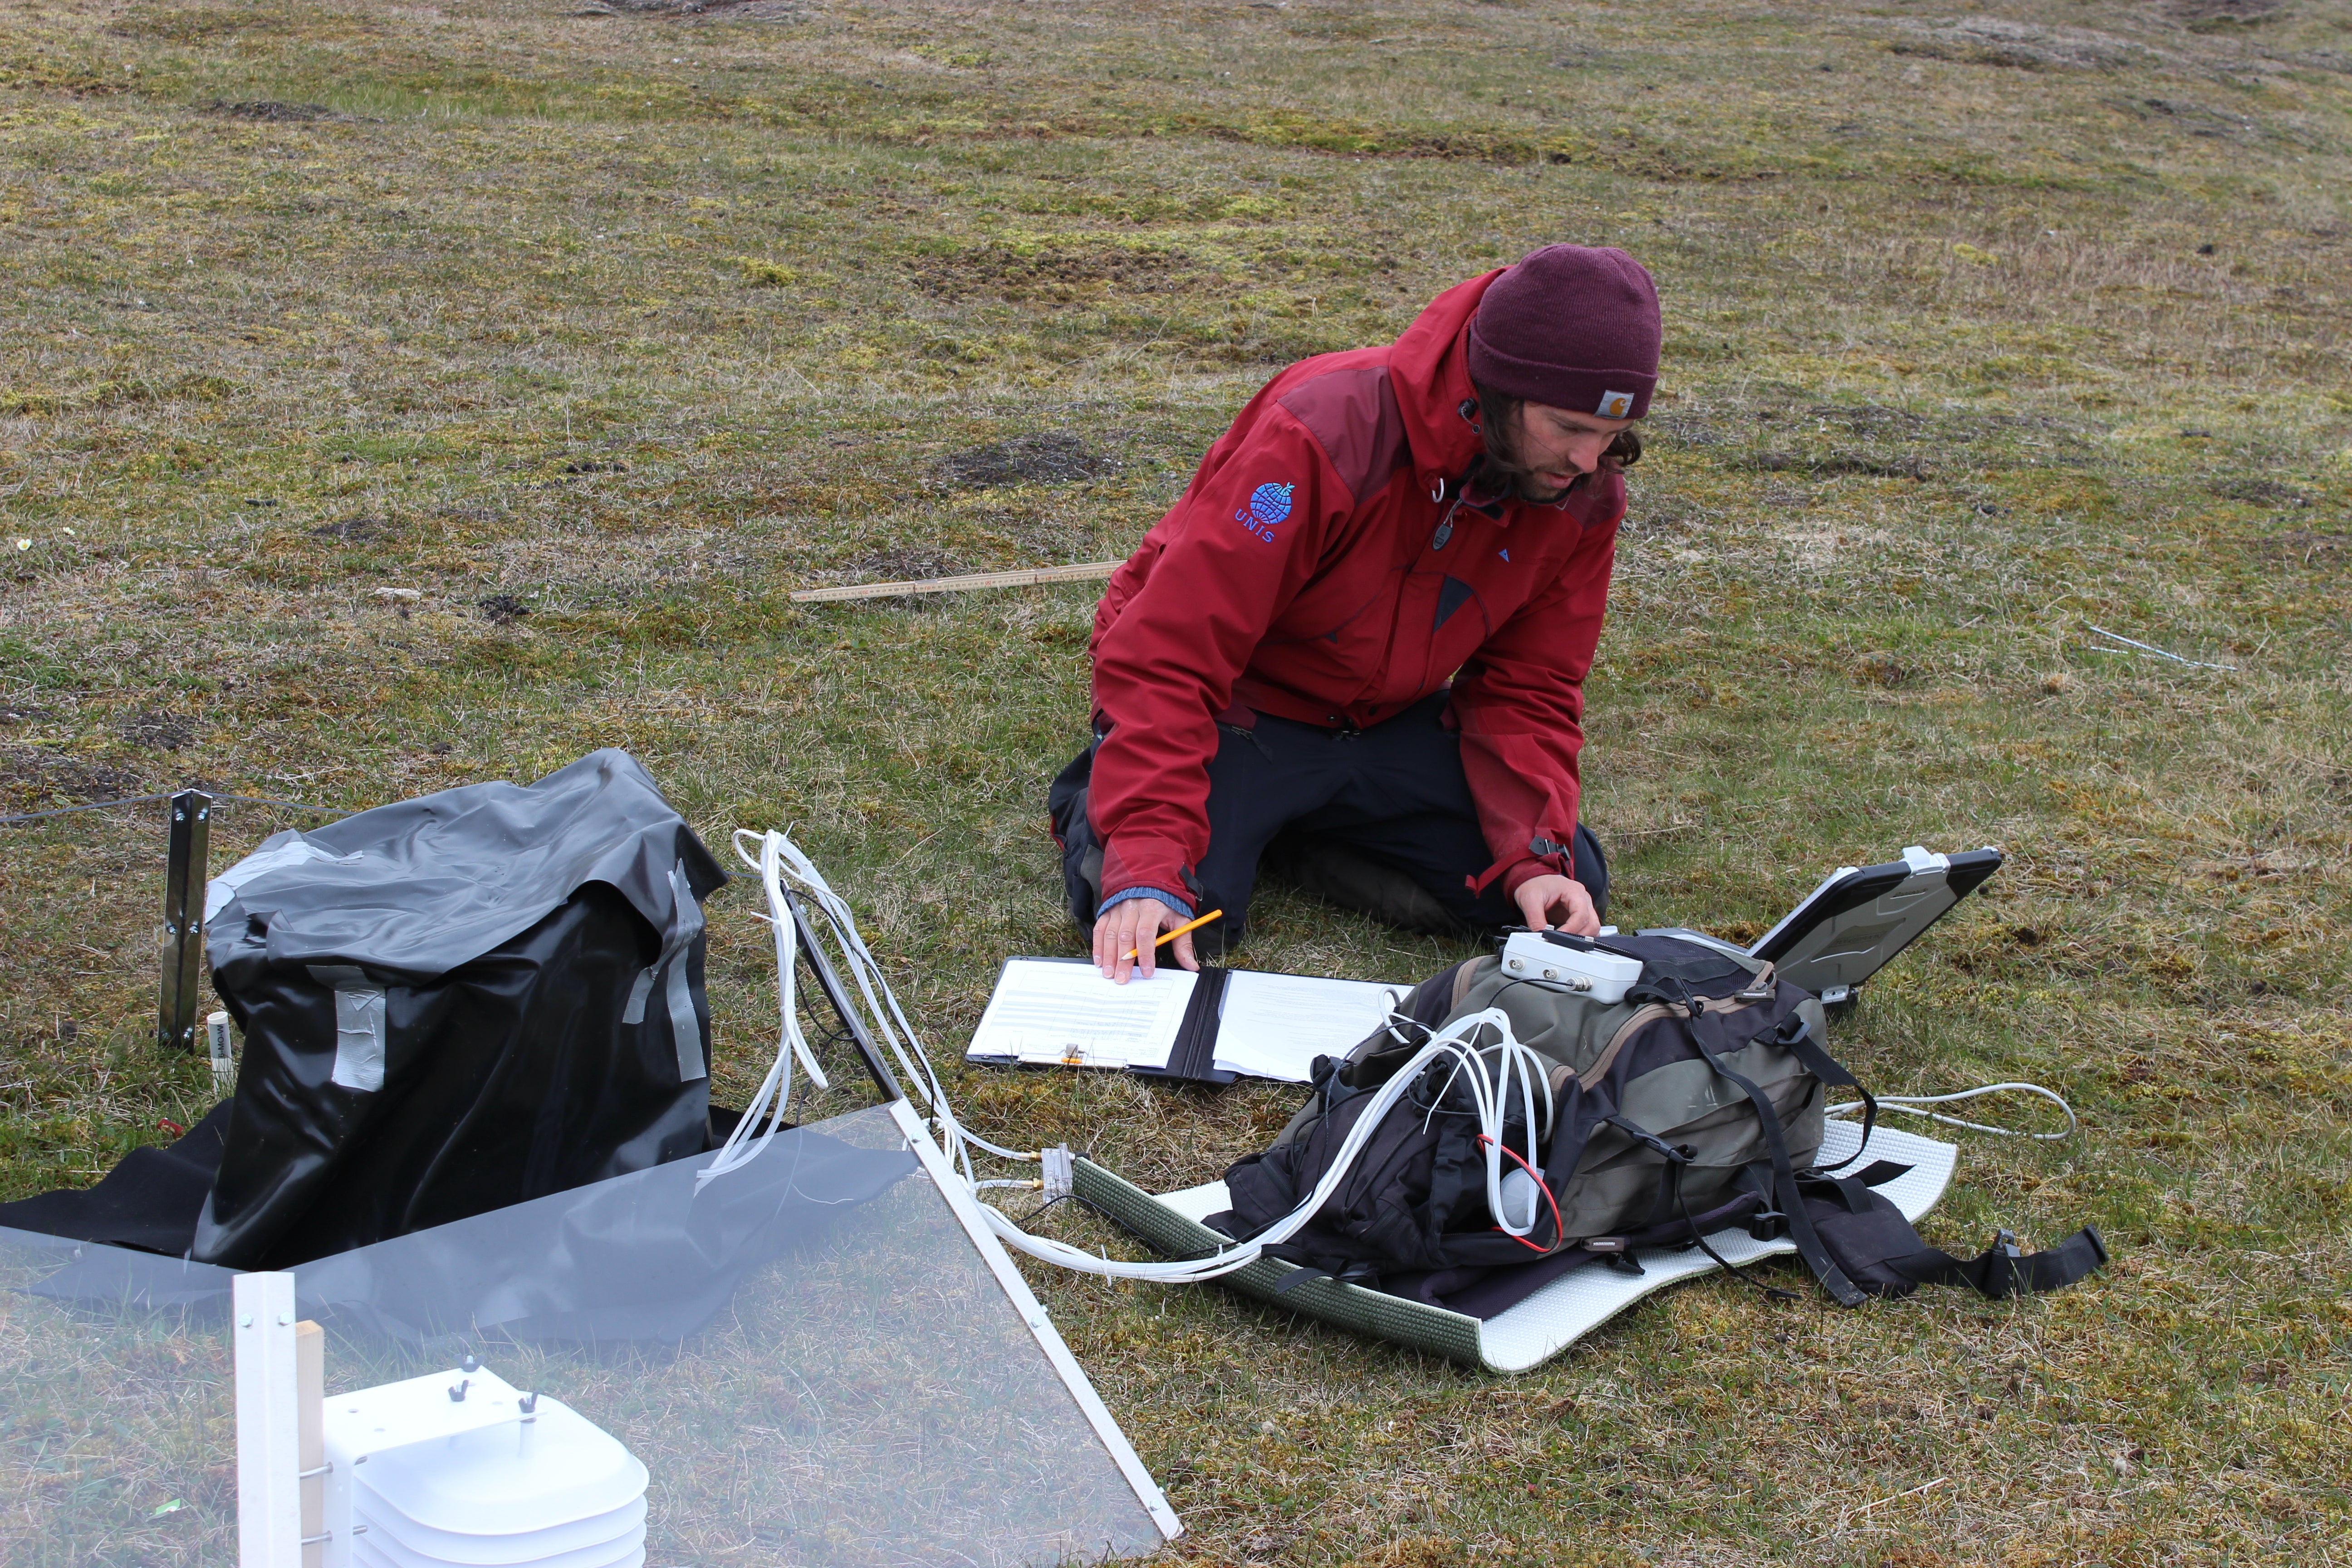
(1135,925)
(1548,904)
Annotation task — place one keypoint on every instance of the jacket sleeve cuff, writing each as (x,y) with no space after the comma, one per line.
(1518,874)
(1527,871)
(1127,895)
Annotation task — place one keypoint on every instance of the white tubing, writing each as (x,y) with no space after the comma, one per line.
(1517,1063)
(1457,1042)
(776,1091)
(1910,1104)
(882,1011)
(779,861)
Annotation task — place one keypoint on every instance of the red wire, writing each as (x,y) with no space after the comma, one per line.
(1559,1227)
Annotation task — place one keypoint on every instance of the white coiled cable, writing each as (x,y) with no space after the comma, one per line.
(1468,1042)
(767,1107)
(1912,1104)
(1458,1041)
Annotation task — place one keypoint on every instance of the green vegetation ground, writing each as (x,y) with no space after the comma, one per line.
(594,329)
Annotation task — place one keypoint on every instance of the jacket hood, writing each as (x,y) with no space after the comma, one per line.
(1429,367)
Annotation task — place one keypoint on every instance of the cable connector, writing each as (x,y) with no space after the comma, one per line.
(1060,1171)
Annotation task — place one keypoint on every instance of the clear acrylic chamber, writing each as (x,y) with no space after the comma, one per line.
(812,1356)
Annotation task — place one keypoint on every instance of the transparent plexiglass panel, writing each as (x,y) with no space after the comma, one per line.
(118,1412)
(810,1356)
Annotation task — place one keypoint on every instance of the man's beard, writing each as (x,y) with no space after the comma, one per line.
(1524,487)
(1506,472)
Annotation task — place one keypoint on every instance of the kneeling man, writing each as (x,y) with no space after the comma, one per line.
(1357,644)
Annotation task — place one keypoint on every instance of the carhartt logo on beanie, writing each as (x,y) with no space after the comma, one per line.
(1573,327)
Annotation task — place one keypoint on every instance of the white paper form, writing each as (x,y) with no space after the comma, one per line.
(1275,1026)
(1048,1012)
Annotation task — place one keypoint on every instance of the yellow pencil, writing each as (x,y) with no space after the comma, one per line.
(1168,936)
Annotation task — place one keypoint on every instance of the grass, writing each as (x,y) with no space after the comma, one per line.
(602,332)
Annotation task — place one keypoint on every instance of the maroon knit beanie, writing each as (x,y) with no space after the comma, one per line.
(1573,327)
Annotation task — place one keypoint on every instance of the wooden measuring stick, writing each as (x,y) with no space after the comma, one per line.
(310,1445)
(1090,572)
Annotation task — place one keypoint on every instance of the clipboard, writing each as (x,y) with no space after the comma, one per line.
(1229,1024)
(1193,1057)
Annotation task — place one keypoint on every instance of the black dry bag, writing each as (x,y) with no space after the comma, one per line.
(455,1004)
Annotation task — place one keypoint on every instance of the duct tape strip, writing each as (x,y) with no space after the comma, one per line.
(358,1026)
(685,1028)
(686,923)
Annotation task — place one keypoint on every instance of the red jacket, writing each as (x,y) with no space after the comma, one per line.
(1311,571)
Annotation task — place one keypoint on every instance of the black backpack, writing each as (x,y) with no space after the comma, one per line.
(1693,1104)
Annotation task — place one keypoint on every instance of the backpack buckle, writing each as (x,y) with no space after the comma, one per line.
(1615,1252)
(1770,1224)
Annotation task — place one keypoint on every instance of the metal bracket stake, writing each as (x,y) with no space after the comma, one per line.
(186,862)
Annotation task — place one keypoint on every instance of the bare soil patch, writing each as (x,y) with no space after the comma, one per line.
(1039,457)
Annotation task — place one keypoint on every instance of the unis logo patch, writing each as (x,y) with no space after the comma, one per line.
(1615,405)
(1268,505)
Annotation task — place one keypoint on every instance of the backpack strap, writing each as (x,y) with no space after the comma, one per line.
(1791,1202)
(1852,1192)
(1308,1273)
(1798,1036)
(1670,1185)
(2001,1270)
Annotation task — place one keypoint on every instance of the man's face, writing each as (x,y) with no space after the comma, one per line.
(1551,448)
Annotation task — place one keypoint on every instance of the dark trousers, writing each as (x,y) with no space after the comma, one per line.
(1379,820)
